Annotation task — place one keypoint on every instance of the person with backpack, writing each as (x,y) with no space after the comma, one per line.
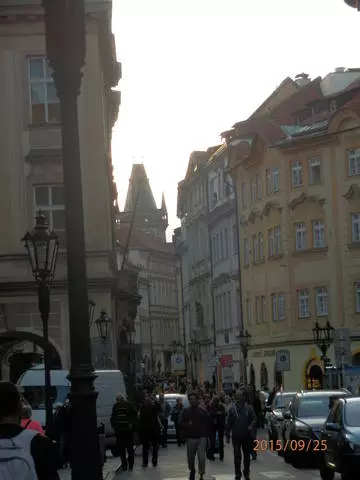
(28,423)
(123,420)
(24,453)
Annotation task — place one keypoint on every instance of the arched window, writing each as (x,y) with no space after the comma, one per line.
(314,375)
(264,377)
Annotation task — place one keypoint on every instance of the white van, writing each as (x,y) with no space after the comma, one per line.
(107,383)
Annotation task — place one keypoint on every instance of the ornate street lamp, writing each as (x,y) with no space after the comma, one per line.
(91,305)
(42,247)
(353,4)
(244,338)
(103,324)
(323,338)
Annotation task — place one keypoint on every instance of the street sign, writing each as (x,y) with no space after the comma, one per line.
(227,378)
(342,347)
(283,360)
(226,360)
(178,363)
(212,361)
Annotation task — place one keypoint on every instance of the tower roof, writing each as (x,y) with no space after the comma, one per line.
(139,197)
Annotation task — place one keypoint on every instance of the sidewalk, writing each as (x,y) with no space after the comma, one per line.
(109,469)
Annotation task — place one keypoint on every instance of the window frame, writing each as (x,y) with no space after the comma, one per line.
(246,252)
(255,248)
(296,172)
(277,240)
(357,297)
(276,184)
(311,170)
(318,226)
(300,227)
(302,294)
(353,155)
(261,245)
(271,243)
(355,221)
(322,292)
(50,208)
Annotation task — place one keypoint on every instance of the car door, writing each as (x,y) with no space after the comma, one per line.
(331,438)
(288,423)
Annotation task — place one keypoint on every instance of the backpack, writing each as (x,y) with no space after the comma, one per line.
(16,461)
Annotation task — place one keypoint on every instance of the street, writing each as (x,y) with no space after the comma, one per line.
(172,466)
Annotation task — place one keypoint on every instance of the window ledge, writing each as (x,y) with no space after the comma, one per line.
(354,246)
(44,126)
(40,155)
(305,318)
(276,257)
(259,262)
(311,251)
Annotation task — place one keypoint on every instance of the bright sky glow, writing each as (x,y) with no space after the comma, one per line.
(192,68)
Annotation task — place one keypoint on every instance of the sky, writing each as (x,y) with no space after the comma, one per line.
(192,68)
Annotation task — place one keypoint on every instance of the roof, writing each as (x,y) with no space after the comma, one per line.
(143,241)
(140,198)
(266,107)
(197,159)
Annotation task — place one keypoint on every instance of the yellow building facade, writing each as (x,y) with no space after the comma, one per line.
(299,221)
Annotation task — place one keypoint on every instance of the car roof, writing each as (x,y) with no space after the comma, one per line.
(323,393)
(174,395)
(285,393)
(351,400)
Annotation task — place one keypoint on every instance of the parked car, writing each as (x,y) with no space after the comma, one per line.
(341,434)
(276,410)
(171,398)
(303,423)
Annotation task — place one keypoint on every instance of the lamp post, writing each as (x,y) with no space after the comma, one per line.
(323,338)
(244,345)
(65,48)
(42,247)
(103,324)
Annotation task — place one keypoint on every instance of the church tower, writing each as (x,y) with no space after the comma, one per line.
(140,206)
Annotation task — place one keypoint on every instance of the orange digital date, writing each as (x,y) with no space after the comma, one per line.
(290,446)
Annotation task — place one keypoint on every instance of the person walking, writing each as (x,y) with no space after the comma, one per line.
(252,398)
(164,417)
(175,417)
(150,429)
(217,429)
(123,421)
(27,423)
(194,422)
(241,420)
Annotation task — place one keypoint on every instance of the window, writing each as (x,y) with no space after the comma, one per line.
(354,162)
(314,171)
(300,240)
(263,309)
(277,240)
(50,199)
(226,243)
(261,246)
(45,105)
(355,227)
(357,297)
(321,296)
(258,310)
(235,240)
(255,248)
(296,174)
(281,306)
(318,234)
(271,243)
(274,307)
(246,252)
(303,302)
(253,190)
(268,181)
(276,180)
(243,195)
(258,186)
(249,312)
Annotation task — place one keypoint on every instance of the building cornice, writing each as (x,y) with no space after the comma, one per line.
(271,205)
(289,343)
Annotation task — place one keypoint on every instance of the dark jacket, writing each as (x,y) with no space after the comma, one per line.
(241,420)
(218,415)
(176,412)
(43,451)
(195,422)
(149,420)
(123,417)
(165,410)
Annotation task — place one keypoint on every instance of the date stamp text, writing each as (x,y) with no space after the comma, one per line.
(290,446)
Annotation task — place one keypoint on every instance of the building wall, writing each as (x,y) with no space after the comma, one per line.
(324,271)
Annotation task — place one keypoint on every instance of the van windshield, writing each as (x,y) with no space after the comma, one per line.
(36,395)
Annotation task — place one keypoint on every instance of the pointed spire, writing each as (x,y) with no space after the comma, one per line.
(163,203)
(139,197)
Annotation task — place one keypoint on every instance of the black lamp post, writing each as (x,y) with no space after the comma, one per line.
(244,345)
(65,48)
(42,247)
(103,325)
(323,338)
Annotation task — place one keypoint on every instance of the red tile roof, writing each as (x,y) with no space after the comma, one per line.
(143,241)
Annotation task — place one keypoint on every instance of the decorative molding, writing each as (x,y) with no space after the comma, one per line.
(353,193)
(304,197)
(253,215)
(271,205)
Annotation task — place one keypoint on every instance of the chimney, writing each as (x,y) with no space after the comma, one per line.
(302,79)
(339,69)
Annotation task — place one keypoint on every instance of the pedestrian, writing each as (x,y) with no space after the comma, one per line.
(253,401)
(123,420)
(24,453)
(217,428)
(150,429)
(175,417)
(28,423)
(194,422)
(164,417)
(241,422)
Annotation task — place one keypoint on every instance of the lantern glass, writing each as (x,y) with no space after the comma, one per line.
(103,325)
(42,247)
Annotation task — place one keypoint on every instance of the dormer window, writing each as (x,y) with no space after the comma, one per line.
(332,106)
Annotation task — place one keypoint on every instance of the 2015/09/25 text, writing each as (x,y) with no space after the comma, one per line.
(290,445)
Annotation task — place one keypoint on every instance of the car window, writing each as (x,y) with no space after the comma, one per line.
(352,414)
(283,400)
(314,406)
(334,416)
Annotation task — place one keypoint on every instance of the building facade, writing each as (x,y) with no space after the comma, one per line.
(31,177)
(297,180)
(141,234)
